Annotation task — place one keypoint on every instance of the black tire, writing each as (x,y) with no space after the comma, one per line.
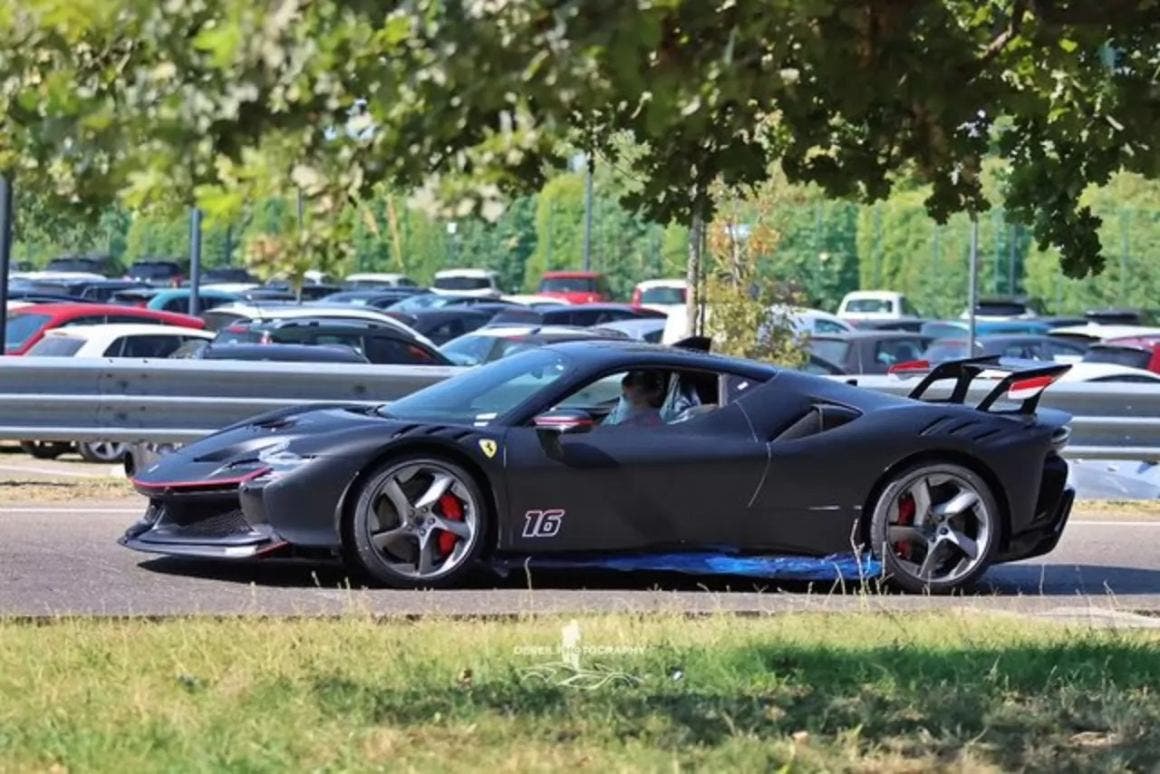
(900,572)
(364,558)
(45,450)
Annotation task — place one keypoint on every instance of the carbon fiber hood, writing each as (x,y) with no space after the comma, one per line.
(328,431)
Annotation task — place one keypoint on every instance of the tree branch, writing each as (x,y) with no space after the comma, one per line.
(1086,12)
(1006,36)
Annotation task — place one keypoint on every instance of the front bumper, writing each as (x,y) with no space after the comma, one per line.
(214,528)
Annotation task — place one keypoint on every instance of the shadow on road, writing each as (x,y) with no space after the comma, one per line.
(1005,580)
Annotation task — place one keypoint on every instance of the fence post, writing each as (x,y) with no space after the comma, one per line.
(195,261)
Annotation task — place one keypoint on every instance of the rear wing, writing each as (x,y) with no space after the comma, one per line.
(1023,381)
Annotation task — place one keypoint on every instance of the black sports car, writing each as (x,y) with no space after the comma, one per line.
(632,456)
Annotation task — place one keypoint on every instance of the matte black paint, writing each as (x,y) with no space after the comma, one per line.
(723,478)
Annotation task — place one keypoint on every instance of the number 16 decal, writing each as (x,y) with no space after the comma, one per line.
(540,524)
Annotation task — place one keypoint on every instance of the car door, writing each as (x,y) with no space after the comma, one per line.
(682,486)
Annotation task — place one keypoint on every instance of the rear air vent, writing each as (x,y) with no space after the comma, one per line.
(818,419)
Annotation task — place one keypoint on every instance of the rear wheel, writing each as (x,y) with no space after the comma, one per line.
(936,527)
(419,522)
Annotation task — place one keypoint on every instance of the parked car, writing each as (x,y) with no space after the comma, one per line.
(467,282)
(1141,352)
(101,265)
(869,352)
(164,274)
(26,326)
(582,315)
(1109,373)
(92,288)
(443,325)
(174,299)
(310,291)
(228,274)
(1116,316)
(1019,346)
(649,329)
(575,287)
(370,280)
(813,321)
(223,316)
(489,344)
(115,340)
(875,305)
(285,353)
(1093,333)
(1005,308)
(911,324)
(660,294)
(379,343)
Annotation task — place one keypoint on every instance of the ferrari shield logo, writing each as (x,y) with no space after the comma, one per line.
(488,447)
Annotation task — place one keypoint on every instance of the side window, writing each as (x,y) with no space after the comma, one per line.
(585,317)
(447,330)
(177,304)
(646,398)
(150,346)
(114,349)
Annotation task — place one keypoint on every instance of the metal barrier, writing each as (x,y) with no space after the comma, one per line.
(176,401)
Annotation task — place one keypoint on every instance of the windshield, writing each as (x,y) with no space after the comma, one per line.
(663,295)
(21,327)
(420,302)
(462,283)
(481,395)
(55,346)
(469,350)
(872,305)
(568,285)
(1125,356)
(154,270)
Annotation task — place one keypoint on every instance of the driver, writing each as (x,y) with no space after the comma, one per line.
(642,393)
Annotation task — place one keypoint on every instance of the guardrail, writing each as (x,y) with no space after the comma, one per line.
(176,401)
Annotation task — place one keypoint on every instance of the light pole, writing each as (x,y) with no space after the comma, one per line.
(452,230)
(973,290)
(5,253)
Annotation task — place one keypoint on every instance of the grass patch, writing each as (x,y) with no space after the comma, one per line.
(815,692)
(1117,510)
(64,490)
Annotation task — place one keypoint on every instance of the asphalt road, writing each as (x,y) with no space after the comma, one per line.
(59,559)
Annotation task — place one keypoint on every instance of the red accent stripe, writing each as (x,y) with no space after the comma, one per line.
(215,483)
(1033,383)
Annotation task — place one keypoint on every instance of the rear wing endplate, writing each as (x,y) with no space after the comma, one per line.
(1024,382)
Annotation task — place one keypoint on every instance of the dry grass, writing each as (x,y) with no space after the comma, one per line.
(803,692)
(64,490)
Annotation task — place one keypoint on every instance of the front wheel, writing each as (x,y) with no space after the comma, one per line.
(936,527)
(419,522)
(45,450)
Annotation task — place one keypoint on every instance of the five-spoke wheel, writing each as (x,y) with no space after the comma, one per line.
(419,521)
(935,527)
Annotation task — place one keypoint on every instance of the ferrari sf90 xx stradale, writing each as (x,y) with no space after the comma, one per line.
(630,456)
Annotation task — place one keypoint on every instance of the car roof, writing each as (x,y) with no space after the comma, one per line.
(1134,342)
(861,334)
(661,283)
(632,352)
(1106,332)
(333,325)
(67,309)
(884,294)
(116,330)
(482,273)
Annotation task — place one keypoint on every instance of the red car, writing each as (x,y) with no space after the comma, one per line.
(27,325)
(1135,351)
(575,287)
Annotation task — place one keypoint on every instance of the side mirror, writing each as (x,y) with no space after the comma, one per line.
(554,424)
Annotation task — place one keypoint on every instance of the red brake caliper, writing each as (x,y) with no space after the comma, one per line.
(905,519)
(452,510)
